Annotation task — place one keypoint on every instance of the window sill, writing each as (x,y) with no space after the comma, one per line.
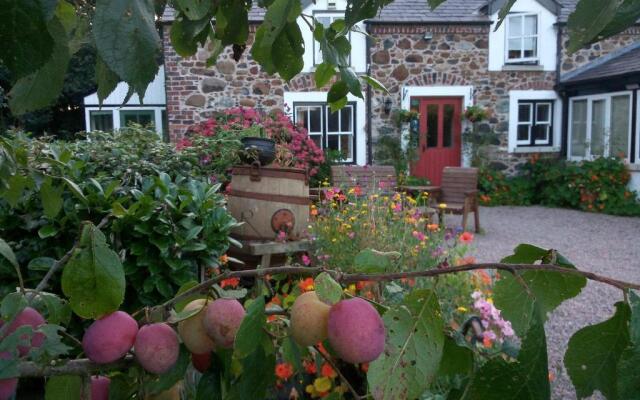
(522,67)
(536,149)
(633,167)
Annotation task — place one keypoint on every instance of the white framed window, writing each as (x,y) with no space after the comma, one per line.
(110,118)
(535,123)
(333,131)
(600,126)
(101,120)
(325,19)
(522,38)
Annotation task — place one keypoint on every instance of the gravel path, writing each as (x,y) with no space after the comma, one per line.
(602,244)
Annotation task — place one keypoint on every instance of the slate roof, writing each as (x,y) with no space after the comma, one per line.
(621,62)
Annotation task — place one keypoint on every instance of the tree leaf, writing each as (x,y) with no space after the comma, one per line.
(414,348)
(629,364)
(456,360)
(41,263)
(106,79)
(51,197)
(93,279)
(351,79)
(185,33)
(504,11)
(232,22)
(251,331)
(371,261)
(373,82)
(626,15)
(194,9)
(47,231)
(548,288)
(75,189)
(594,351)
(41,88)
(324,72)
(327,289)
(26,43)
(125,33)
(288,50)
(338,91)
(360,10)
(210,385)
(588,20)
(63,387)
(7,253)
(12,304)
(525,379)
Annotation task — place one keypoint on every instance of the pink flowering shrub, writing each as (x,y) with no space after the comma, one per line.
(496,329)
(294,148)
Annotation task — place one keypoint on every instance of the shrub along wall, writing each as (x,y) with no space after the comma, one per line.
(595,186)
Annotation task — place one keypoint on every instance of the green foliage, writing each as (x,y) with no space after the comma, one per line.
(596,368)
(414,348)
(327,289)
(595,186)
(63,387)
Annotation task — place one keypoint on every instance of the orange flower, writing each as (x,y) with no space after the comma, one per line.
(409,281)
(433,227)
(466,260)
(309,367)
(328,371)
(364,367)
(306,285)
(231,282)
(224,259)
(363,284)
(552,376)
(284,371)
(486,342)
(466,237)
(484,276)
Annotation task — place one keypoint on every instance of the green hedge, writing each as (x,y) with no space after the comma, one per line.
(595,186)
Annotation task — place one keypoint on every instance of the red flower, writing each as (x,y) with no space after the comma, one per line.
(328,371)
(309,367)
(231,282)
(284,371)
(306,285)
(466,237)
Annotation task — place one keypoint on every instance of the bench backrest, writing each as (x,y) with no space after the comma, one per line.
(368,177)
(457,181)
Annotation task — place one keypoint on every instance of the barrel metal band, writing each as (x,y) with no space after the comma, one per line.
(277,198)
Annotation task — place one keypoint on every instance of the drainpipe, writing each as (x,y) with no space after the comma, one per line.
(368,109)
(564,128)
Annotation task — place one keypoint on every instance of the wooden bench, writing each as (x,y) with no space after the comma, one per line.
(369,177)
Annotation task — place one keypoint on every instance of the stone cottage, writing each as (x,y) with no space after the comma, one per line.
(437,62)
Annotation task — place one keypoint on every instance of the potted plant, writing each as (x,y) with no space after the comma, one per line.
(258,149)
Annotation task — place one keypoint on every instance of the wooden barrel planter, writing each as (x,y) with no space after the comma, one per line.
(269,201)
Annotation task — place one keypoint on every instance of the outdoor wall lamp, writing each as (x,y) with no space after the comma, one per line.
(427,36)
(387,105)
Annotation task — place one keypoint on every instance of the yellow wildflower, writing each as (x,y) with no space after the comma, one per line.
(462,309)
(322,384)
(442,205)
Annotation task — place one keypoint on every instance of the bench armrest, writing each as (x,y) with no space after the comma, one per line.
(471,192)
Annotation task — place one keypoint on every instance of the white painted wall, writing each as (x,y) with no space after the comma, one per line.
(358,40)
(517,95)
(547,37)
(155,94)
(321,97)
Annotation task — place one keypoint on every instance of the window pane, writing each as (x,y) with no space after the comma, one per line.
(523,132)
(432,125)
(326,21)
(578,128)
(333,141)
(524,112)
(345,146)
(541,133)
(101,120)
(515,48)
(317,140)
(530,25)
(315,119)
(333,123)
(447,126)
(515,26)
(543,113)
(620,114)
(301,117)
(530,47)
(597,127)
(144,118)
(345,119)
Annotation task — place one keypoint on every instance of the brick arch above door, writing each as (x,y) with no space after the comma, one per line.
(437,78)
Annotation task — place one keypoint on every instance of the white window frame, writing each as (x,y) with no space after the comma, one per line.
(324,123)
(607,97)
(533,120)
(157,121)
(528,123)
(333,15)
(307,110)
(548,122)
(522,37)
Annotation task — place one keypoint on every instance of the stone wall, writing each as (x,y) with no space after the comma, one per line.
(457,55)
(195,92)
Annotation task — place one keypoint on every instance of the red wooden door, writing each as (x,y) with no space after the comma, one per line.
(439,144)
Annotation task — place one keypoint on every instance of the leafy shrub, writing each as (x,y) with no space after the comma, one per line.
(163,225)
(596,186)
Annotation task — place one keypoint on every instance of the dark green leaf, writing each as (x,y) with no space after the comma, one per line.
(413,351)
(324,72)
(26,43)
(257,374)
(7,253)
(16,186)
(626,15)
(525,379)
(588,20)
(75,189)
(63,387)
(106,79)
(369,260)
(504,11)
(125,33)
(93,279)
(351,79)
(185,34)
(12,304)
(194,9)
(210,385)
(456,360)
(327,289)
(360,10)
(337,92)
(288,50)
(216,49)
(232,22)
(251,331)
(51,197)
(41,264)
(55,310)
(594,351)
(41,88)
(47,231)
(183,303)
(373,82)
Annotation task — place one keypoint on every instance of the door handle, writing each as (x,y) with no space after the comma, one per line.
(424,148)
